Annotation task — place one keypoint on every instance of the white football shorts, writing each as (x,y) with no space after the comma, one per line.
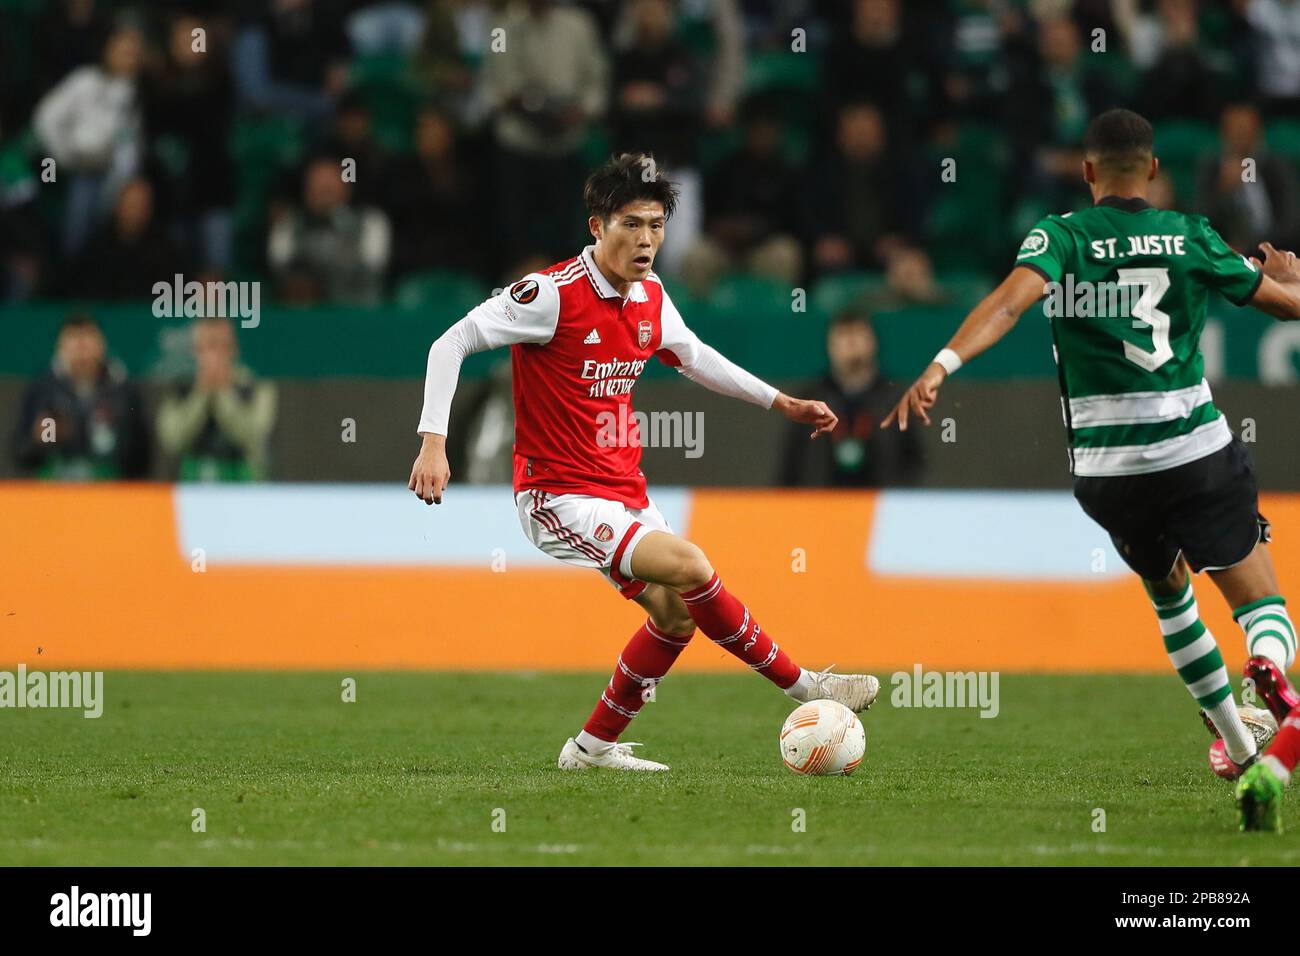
(589,532)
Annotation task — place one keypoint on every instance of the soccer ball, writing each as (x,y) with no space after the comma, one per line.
(1262,726)
(823,737)
(1260,722)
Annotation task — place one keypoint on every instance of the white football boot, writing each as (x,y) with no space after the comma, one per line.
(857,692)
(617,757)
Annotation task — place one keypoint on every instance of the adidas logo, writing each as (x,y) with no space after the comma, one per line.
(592,338)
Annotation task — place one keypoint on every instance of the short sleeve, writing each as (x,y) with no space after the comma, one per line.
(1224,269)
(1046,248)
(524,313)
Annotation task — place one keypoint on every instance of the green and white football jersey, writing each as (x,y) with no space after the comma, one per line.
(1127,308)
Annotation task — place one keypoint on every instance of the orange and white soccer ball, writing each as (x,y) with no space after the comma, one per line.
(822,738)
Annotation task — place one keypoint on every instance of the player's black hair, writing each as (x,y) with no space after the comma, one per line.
(627,178)
(1119,139)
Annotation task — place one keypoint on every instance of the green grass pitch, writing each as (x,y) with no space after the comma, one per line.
(417,770)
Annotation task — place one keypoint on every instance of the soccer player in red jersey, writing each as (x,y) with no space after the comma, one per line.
(580,334)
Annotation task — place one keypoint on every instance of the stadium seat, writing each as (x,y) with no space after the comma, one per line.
(1283,136)
(1185,141)
(749,318)
(964,288)
(263,148)
(833,294)
(256,139)
(741,292)
(782,70)
(595,147)
(447,291)
(386,84)
(966,216)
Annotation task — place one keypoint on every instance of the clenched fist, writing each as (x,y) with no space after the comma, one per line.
(430,473)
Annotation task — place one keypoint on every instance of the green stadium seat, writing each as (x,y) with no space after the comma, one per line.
(263,148)
(746,316)
(681,295)
(1123,78)
(740,293)
(964,288)
(716,145)
(1283,136)
(387,85)
(967,216)
(256,139)
(1185,142)
(595,148)
(447,291)
(1182,145)
(833,294)
(782,70)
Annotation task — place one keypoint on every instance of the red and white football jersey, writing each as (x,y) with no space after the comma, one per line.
(577,350)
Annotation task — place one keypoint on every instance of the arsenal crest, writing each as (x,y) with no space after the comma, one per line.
(604,533)
(644,330)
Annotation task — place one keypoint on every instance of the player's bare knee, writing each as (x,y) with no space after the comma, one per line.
(667,611)
(674,623)
(677,619)
(693,568)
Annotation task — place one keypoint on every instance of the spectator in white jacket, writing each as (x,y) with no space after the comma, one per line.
(90,125)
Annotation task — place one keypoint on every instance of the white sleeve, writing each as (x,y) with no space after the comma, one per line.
(706,365)
(525,313)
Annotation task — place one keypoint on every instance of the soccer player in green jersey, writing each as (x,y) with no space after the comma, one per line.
(1153,460)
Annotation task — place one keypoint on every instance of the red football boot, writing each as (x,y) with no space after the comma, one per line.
(1223,765)
(1272,687)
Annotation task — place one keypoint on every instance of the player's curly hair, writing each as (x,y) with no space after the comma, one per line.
(1120,139)
(627,178)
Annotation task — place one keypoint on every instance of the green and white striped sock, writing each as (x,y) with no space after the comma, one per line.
(1195,655)
(1269,632)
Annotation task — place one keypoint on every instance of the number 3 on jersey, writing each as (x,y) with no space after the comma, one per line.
(1154,283)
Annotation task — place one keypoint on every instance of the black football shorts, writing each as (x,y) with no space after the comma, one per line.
(1207,509)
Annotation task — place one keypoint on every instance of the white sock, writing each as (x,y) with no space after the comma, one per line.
(1269,631)
(1237,740)
(592,745)
(1195,655)
(803,688)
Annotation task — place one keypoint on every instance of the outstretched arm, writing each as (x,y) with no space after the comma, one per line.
(987,323)
(682,349)
(1278,293)
(430,472)
(526,312)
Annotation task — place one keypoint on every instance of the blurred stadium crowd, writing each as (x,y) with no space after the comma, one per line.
(365,154)
(219,155)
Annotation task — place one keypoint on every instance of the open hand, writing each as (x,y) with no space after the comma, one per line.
(918,399)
